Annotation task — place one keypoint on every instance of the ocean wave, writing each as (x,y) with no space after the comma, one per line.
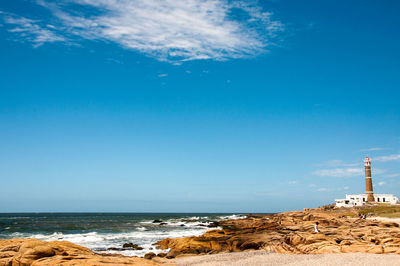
(99,234)
(14,218)
(101,242)
(232,217)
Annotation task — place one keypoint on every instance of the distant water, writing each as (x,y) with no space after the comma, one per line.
(101,231)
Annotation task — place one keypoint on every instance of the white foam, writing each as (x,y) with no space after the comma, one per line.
(147,222)
(14,218)
(193,218)
(102,241)
(144,235)
(232,217)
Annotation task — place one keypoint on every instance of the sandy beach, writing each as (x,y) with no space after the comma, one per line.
(264,258)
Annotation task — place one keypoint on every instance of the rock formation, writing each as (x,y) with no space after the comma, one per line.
(293,233)
(288,233)
(23,252)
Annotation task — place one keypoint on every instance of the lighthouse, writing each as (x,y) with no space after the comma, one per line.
(355,200)
(368,180)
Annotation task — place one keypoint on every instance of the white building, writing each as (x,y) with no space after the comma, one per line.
(360,200)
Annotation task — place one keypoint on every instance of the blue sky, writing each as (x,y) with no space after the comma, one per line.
(196,106)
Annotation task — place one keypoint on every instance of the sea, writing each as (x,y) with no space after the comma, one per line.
(108,232)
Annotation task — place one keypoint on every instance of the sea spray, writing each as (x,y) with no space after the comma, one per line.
(107,232)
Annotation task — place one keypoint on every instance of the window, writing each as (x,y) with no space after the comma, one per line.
(378,199)
(383,199)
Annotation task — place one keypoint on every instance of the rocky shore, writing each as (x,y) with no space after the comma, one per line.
(293,233)
(34,252)
(285,233)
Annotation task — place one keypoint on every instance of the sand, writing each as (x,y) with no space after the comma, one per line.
(254,258)
(385,219)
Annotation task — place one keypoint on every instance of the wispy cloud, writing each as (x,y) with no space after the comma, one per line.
(339,172)
(391,175)
(338,168)
(323,189)
(381,183)
(163,75)
(31,30)
(387,158)
(292,182)
(336,163)
(333,163)
(374,149)
(168,30)
(346,172)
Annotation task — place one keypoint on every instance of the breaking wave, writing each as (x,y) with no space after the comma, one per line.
(143,232)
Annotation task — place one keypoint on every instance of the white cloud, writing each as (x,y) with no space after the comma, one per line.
(387,158)
(322,189)
(312,185)
(32,30)
(292,182)
(333,162)
(162,75)
(171,30)
(391,175)
(374,149)
(381,183)
(336,163)
(339,172)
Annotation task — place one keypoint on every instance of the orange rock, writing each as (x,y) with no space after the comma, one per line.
(288,233)
(292,233)
(24,252)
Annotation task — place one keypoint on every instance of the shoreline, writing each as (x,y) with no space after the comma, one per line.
(108,233)
(257,238)
(293,233)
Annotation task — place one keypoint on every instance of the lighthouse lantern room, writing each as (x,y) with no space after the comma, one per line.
(367,161)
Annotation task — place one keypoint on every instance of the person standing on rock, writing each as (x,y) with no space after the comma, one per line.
(316,227)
